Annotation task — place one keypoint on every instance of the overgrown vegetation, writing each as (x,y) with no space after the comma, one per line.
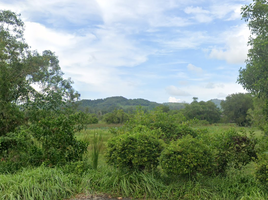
(47,152)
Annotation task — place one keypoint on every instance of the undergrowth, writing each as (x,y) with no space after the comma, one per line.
(80,177)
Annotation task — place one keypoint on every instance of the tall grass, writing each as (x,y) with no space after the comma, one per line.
(40,183)
(96,149)
(149,185)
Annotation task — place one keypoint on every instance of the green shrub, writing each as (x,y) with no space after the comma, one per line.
(187,156)
(18,150)
(56,136)
(234,149)
(167,126)
(171,132)
(262,169)
(134,151)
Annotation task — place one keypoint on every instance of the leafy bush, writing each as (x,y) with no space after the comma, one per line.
(234,149)
(187,156)
(168,127)
(134,151)
(262,170)
(171,132)
(18,150)
(56,135)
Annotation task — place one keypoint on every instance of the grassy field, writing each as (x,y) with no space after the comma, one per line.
(64,182)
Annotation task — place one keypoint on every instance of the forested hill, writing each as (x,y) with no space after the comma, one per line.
(111,103)
(128,105)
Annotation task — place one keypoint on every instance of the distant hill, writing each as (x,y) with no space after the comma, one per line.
(102,106)
(217,102)
(111,103)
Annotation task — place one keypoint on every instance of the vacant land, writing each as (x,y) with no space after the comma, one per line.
(80,178)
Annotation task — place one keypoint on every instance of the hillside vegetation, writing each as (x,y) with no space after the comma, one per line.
(128,105)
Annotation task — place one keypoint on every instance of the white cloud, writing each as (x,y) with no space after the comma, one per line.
(192,68)
(91,59)
(222,95)
(115,47)
(173,90)
(173,100)
(42,38)
(185,40)
(150,12)
(214,85)
(225,10)
(199,13)
(235,50)
(210,85)
(184,83)
(220,91)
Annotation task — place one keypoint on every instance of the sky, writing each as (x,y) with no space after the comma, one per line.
(159,50)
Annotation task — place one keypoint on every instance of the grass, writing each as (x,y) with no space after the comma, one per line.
(39,183)
(96,149)
(62,183)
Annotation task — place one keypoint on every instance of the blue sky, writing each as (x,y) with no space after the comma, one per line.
(160,50)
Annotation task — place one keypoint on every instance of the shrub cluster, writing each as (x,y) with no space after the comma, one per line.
(135,151)
(187,156)
(148,142)
(262,170)
(50,141)
(234,149)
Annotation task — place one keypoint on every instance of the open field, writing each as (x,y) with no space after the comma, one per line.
(81,178)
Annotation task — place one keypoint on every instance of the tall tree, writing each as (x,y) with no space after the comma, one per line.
(202,111)
(28,81)
(235,108)
(254,77)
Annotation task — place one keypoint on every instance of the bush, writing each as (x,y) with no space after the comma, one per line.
(134,151)
(168,127)
(262,170)
(18,150)
(234,149)
(187,156)
(171,132)
(56,135)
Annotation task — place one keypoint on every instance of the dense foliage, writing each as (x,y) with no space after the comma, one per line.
(187,156)
(254,76)
(154,153)
(36,103)
(116,117)
(29,79)
(134,151)
(235,108)
(257,115)
(233,149)
(262,170)
(107,105)
(203,111)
